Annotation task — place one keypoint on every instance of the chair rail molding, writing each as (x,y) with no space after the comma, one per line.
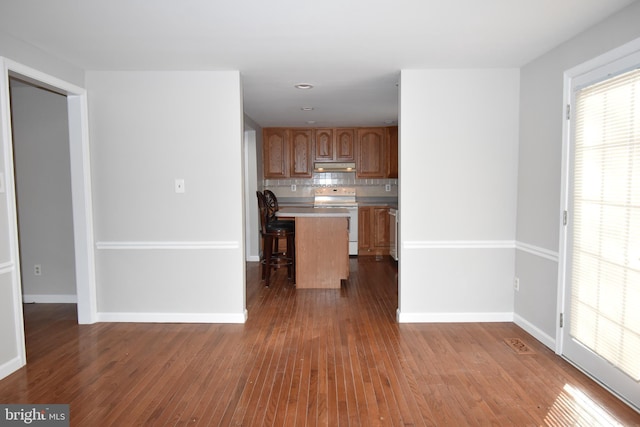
(459,244)
(6,267)
(171,245)
(483,244)
(538,251)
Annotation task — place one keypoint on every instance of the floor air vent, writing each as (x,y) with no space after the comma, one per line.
(517,345)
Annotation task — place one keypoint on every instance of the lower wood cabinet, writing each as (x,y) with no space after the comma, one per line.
(373,230)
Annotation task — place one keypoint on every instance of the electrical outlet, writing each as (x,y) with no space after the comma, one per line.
(516,283)
(37,270)
(293,187)
(387,187)
(179,185)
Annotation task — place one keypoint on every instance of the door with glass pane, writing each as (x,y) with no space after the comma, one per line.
(601,332)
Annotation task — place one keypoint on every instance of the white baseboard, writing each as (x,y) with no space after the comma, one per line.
(528,327)
(453,317)
(50,299)
(536,332)
(254,258)
(10,367)
(174,317)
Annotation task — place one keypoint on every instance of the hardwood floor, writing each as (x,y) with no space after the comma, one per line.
(303,358)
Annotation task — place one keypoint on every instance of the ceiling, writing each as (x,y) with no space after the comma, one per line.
(351,51)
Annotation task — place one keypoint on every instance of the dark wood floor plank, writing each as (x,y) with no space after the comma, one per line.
(303,358)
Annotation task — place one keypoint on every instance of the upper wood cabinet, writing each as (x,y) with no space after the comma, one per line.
(392,157)
(301,153)
(371,153)
(334,145)
(276,152)
(324,145)
(287,152)
(345,142)
(291,152)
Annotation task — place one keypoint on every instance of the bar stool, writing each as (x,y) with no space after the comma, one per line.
(271,231)
(272,206)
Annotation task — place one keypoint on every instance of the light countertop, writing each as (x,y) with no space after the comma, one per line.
(362,201)
(308,211)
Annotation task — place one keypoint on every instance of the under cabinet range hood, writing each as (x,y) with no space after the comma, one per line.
(334,167)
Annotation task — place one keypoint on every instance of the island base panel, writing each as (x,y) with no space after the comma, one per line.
(322,252)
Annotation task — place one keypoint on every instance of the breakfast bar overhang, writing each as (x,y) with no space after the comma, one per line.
(322,246)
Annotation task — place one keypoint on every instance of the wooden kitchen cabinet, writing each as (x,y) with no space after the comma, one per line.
(287,153)
(276,152)
(365,235)
(334,145)
(373,230)
(301,153)
(291,152)
(371,153)
(345,145)
(392,157)
(324,145)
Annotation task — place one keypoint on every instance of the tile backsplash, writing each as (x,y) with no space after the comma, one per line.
(304,187)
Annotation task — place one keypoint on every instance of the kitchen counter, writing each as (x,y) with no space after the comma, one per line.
(310,211)
(361,201)
(393,205)
(322,246)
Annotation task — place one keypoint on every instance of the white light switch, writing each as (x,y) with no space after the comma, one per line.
(179,185)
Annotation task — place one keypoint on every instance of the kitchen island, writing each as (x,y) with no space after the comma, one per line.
(322,246)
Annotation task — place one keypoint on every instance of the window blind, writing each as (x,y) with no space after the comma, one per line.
(605,271)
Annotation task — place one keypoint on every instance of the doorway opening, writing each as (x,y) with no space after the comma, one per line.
(40,134)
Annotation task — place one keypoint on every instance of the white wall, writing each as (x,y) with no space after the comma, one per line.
(43,185)
(539,181)
(458,157)
(164,256)
(31,56)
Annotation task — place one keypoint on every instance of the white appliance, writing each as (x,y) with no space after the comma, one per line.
(393,232)
(341,197)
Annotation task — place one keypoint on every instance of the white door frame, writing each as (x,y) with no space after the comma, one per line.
(586,68)
(615,60)
(80,185)
(252,241)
